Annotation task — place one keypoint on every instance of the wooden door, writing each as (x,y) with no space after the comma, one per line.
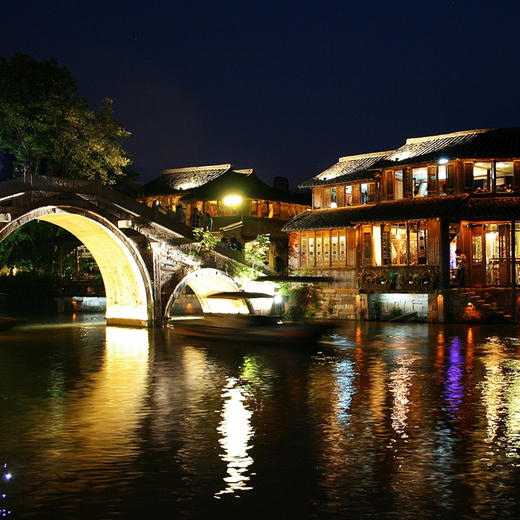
(476,269)
(504,235)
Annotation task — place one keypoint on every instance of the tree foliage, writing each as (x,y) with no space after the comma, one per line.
(50,130)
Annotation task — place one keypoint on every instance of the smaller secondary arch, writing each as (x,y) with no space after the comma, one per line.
(126,279)
(204,282)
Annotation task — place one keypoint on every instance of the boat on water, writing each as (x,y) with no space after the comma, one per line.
(251,327)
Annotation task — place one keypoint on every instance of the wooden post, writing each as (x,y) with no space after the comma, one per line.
(444,238)
(513,269)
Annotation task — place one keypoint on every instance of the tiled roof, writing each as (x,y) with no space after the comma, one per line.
(464,206)
(182,179)
(469,144)
(403,209)
(347,169)
(247,185)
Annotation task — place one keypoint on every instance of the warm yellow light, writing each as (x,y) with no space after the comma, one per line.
(232,200)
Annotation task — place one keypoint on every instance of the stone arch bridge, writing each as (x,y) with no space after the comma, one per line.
(145,257)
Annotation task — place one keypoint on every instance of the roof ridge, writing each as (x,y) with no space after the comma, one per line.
(411,140)
(190,168)
(245,171)
(365,155)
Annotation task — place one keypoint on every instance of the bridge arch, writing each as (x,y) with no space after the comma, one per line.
(126,278)
(204,282)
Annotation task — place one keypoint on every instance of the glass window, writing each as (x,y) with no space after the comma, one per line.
(367,248)
(399,184)
(367,193)
(442,178)
(398,244)
(333,194)
(481,176)
(476,250)
(348,195)
(420,182)
(504,176)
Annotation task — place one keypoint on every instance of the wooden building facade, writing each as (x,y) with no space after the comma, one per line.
(240,204)
(390,223)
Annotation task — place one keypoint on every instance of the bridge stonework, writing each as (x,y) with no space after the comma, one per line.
(143,254)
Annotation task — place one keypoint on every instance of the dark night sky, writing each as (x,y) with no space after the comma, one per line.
(285,88)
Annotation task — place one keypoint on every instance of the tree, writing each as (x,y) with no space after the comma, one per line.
(50,130)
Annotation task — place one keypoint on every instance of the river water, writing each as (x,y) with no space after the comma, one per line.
(378,421)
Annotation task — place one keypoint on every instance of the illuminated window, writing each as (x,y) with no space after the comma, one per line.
(348,195)
(417,253)
(398,184)
(482,176)
(334,249)
(367,193)
(504,176)
(442,178)
(420,182)
(326,249)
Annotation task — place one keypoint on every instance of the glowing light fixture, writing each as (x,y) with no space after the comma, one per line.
(443,160)
(232,200)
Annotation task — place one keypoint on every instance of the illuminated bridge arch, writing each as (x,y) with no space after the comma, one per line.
(128,288)
(204,282)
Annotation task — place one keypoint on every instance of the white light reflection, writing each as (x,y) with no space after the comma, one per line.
(236,431)
(343,378)
(400,382)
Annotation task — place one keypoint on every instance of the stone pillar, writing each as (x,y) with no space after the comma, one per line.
(157,249)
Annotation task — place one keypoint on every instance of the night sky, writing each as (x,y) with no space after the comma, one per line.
(285,88)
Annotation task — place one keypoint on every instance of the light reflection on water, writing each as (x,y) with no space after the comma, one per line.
(381,420)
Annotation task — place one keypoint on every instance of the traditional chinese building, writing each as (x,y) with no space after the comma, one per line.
(240,204)
(386,226)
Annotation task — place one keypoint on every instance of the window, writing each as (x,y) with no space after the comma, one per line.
(417,253)
(504,176)
(367,193)
(334,249)
(420,182)
(398,184)
(398,245)
(482,176)
(348,195)
(442,177)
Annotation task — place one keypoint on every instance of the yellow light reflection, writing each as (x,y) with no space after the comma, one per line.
(109,414)
(513,410)
(492,389)
(236,431)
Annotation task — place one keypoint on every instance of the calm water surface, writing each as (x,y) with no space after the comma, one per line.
(378,421)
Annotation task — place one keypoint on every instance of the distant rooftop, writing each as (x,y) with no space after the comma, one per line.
(176,180)
(484,143)
(348,169)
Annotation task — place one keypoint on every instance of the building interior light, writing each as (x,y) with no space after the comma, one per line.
(232,200)
(443,160)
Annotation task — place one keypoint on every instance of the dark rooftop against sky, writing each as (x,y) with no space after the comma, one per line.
(285,88)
